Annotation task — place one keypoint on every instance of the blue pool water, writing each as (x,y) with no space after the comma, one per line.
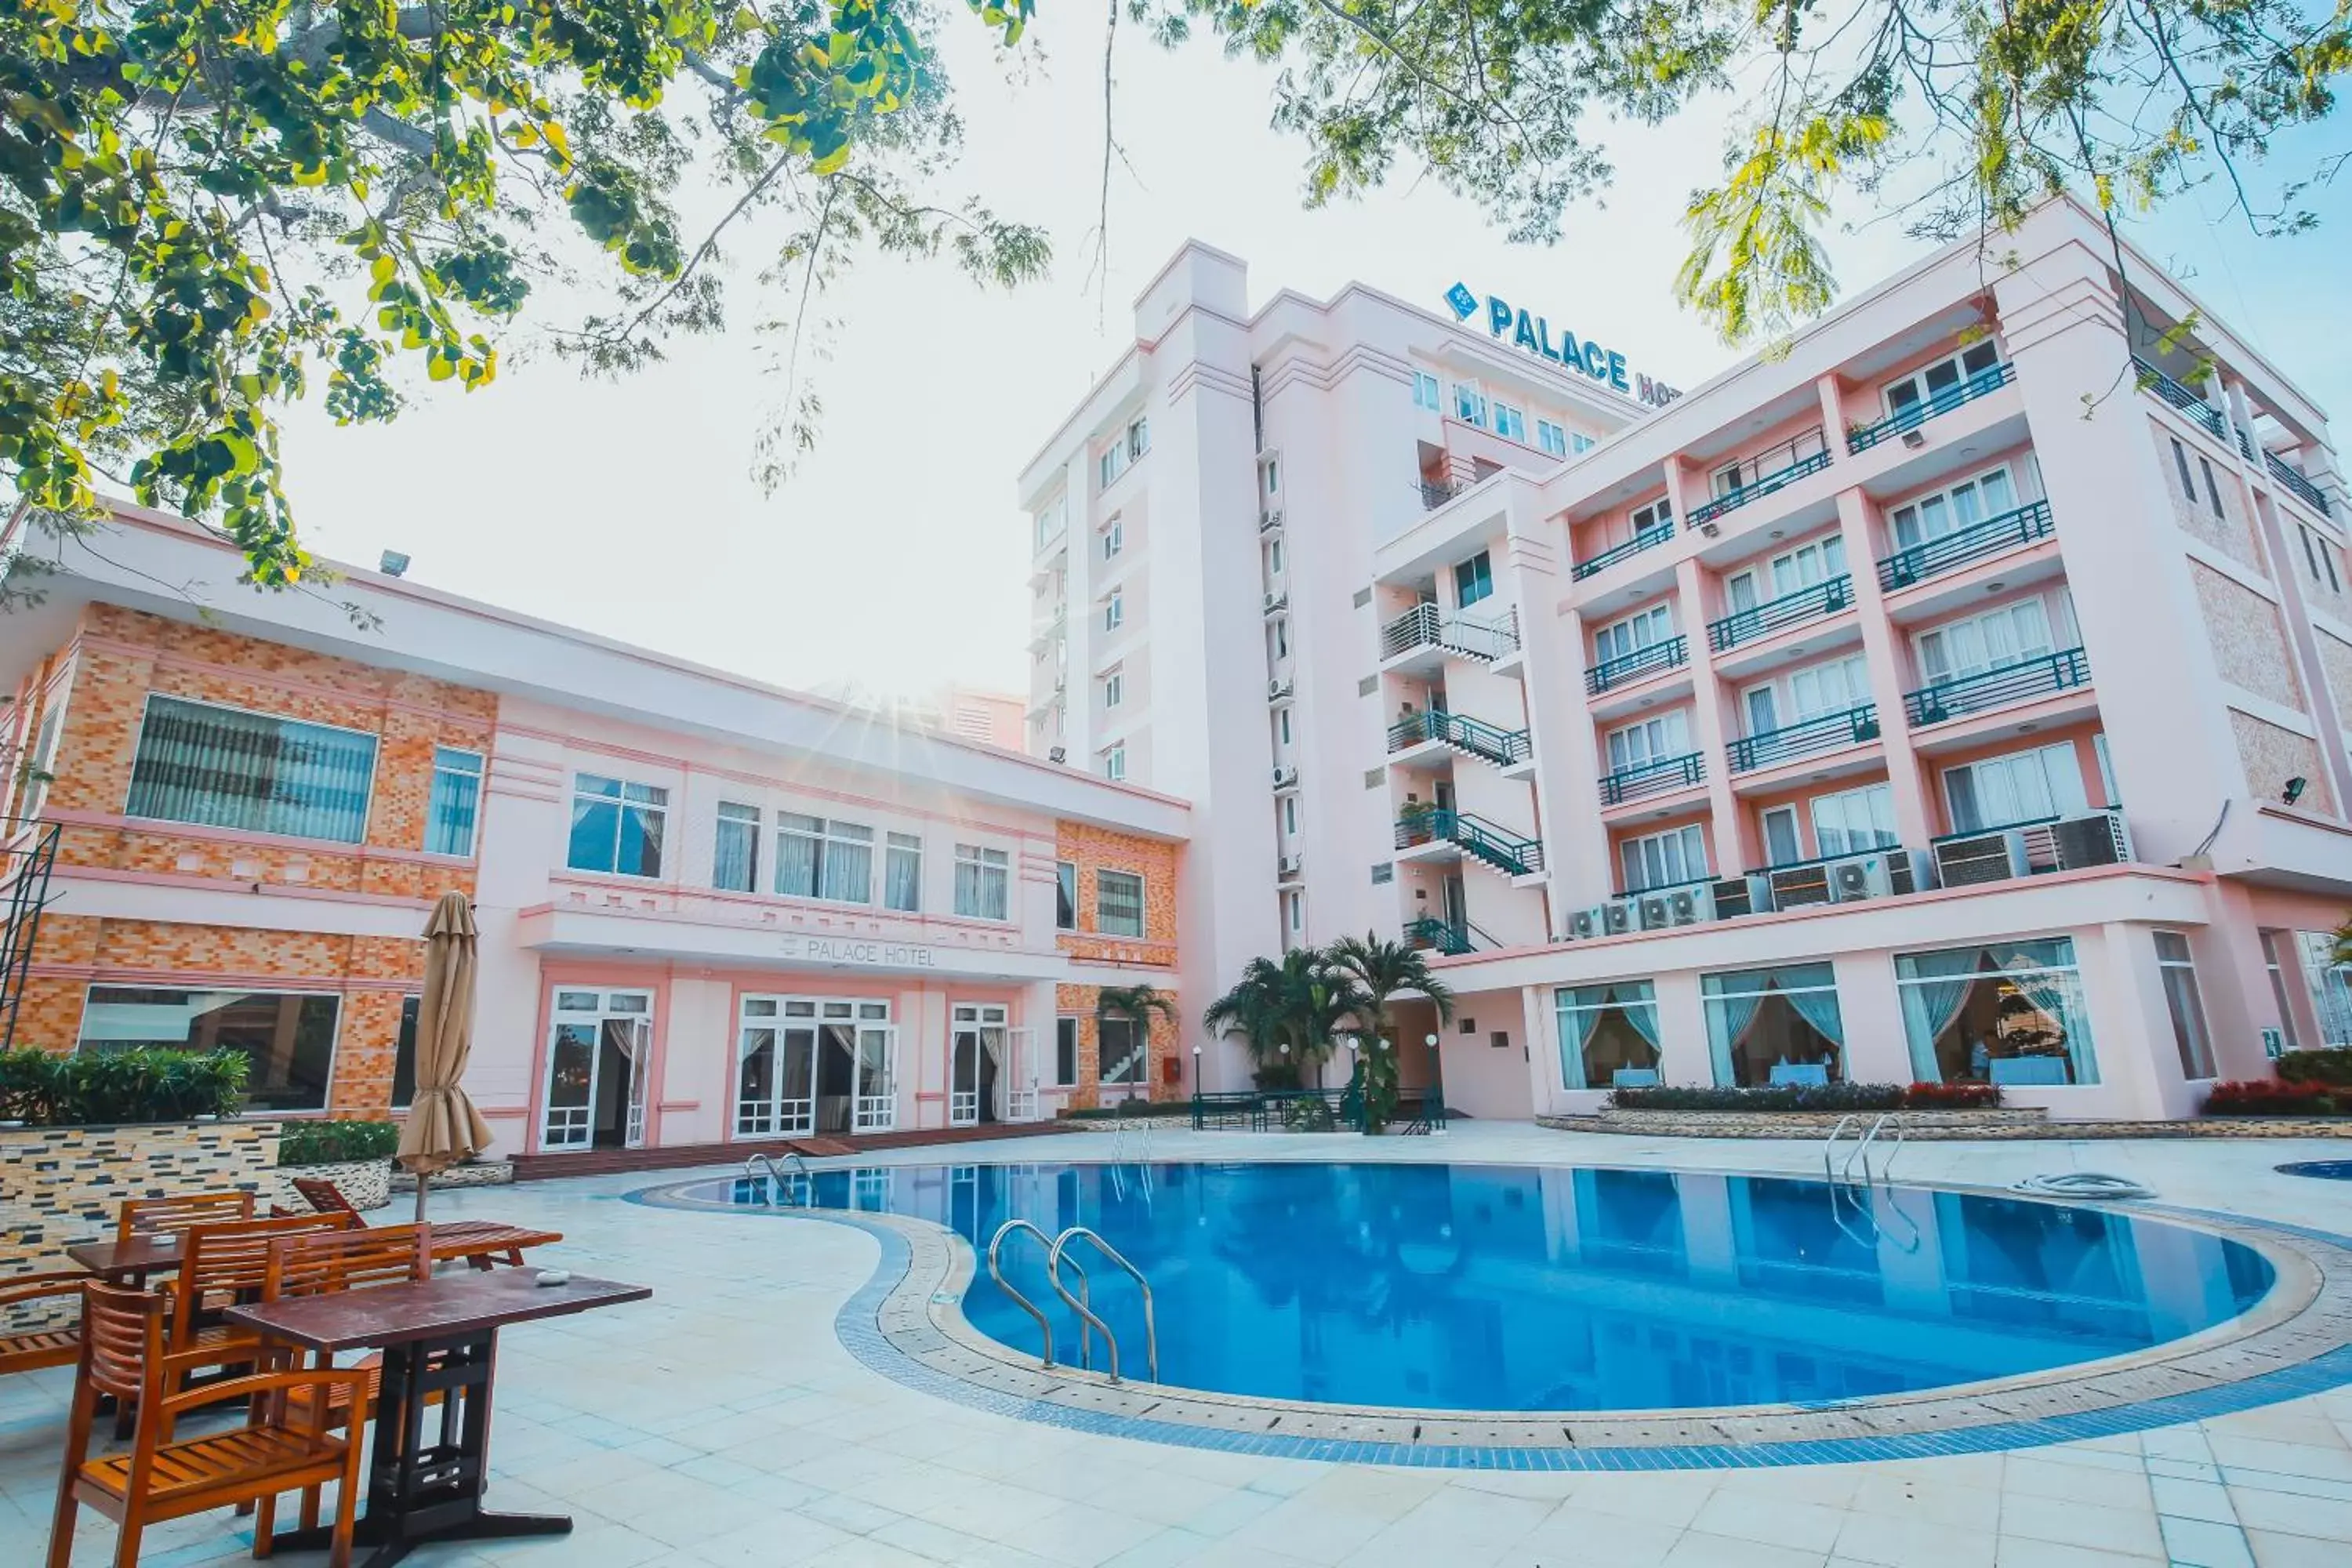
(1507,1288)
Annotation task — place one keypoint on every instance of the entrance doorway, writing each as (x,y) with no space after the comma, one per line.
(599,1070)
(975,1063)
(814,1064)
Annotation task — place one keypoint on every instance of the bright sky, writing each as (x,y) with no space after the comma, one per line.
(896,558)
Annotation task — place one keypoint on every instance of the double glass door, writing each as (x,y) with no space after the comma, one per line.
(976,1063)
(812,1064)
(599,1070)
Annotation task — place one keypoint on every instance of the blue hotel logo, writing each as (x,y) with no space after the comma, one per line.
(1534,334)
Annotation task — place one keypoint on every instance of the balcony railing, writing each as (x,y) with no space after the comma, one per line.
(1764,484)
(1417,627)
(1504,748)
(1472,638)
(2022,525)
(1827,732)
(1627,667)
(1655,777)
(1496,846)
(1430,932)
(1862,437)
(2036,676)
(1435,493)
(2294,482)
(1648,539)
(1808,604)
(2151,379)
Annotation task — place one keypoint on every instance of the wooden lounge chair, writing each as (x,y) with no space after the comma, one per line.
(31,1349)
(162,1478)
(322,1195)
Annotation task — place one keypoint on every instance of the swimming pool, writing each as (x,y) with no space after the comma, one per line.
(1519,1288)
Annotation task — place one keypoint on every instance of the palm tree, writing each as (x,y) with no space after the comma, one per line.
(1136,1004)
(1382,971)
(1298,1003)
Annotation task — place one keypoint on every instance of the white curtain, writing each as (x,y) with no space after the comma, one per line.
(1933,993)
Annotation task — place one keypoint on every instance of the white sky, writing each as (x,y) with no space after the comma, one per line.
(896,558)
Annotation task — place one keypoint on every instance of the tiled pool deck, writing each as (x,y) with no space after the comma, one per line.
(725,1422)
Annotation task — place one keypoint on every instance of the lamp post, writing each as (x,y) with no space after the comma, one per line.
(1437,1085)
(1196,1088)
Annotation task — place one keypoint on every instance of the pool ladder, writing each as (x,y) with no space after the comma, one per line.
(793,1162)
(1842,1186)
(1860,1153)
(1057,1249)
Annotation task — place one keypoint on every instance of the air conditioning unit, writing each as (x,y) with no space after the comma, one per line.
(1268,522)
(1793,887)
(1284,778)
(1288,865)
(1057,753)
(1737,896)
(1616,917)
(1275,601)
(1986,858)
(1689,906)
(1651,910)
(1586,924)
(1275,691)
(2098,839)
(1859,877)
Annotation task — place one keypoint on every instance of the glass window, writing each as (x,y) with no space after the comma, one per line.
(1607,1034)
(1473,579)
(1942,376)
(1118,903)
(616,826)
(404,1055)
(1953,510)
(1775,1026)
(1066,1052)
(1551,437)
(1111,464)
(1854,820)
(2278,990)
(1510,422)
(1657,514)
(223,768)
(1469,406)
(1114,611)
(735,855)
(981,881)
(1425,392)
(1782,847)
(2010,1012)
(1580,442)
(1066,896)
(289,1036)
(820,859)
(1272,475)
(1114,763)
(2213,490)
(1114,539)
(1139,438)
(2180,462)
(2181,1000)
(2330,985)
(1114,688)
(902,874)
(1121,1051)
(2022,788)
(1997,639)
(456,800)
(1664,859)
(1651,741)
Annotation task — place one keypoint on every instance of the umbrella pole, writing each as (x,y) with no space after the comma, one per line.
(422,1178)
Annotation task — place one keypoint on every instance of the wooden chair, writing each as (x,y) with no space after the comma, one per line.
(323,1196)
(30,1349)
(162,1478)
(221,1264)
(146,1216)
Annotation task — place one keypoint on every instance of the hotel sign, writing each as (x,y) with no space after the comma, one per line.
(1534,335)
(865,955)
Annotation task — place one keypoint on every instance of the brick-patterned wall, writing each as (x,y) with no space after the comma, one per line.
(2249,644)
(1093,848)
(2230,533)
(2270,756)
(1164,1035)
(2335,659)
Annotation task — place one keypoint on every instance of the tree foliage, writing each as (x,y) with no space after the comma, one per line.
(211,208)
(1289,1012)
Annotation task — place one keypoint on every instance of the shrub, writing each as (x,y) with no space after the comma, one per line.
(336,1143)
(2272,1097)
(43,1088)
(1952,1096)
(1811,1096)
(2332,1066)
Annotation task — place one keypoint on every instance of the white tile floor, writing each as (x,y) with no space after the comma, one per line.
(722,1422)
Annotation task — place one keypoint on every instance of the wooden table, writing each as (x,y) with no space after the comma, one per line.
(474,1240)
(438,1337)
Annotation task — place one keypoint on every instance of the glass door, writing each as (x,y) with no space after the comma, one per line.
(976,1044)
(599,1069)
(633,1040)
(877,1078)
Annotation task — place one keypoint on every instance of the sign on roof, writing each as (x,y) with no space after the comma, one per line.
(1534,335)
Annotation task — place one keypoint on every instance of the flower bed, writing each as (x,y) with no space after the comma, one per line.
(2281,1097)
(1828,1098)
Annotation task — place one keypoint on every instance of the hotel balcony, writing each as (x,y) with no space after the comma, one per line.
(2150,379)
(1487,842)
(2011,531)
(1827,732)
(1508,749)
(2310,494)
(1761,483)
(1812,604)
(1423,635)
(1660,776)
(1862,437)
(1641,663)
(1430,932)
(1648,539)
(1998,687)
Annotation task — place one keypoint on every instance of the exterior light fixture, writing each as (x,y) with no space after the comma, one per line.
(1914,439)
(1711,529)
(1430,1040)
(392,564)
(2295,788)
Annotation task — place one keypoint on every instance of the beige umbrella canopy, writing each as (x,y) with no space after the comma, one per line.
(443,1127)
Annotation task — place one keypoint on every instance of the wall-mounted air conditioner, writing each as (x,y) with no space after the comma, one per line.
(1880,873)
(1586,924)
(1276,690)
(1275,602)
(1285,778)
(1057,753)
(1737,896)
(1290,866)
(2099,839)
(1689,906)
(1617,917)
(1268,522)
(1650,910)
(1983,857)
(1793,887)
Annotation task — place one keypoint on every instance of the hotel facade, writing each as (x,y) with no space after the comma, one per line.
(711,910)
(1956,693)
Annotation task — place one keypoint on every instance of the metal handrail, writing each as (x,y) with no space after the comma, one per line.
(1653,777)
(1489,841)
(2020,525)
(1489,743)
(2286,474)
(996,1272)
(2036,676)
(1828,1171)
(1851,727)
(1085,1313)
(1647,539)
(1826,597)
(2150,379)
(1765,484)
(1862,1149)
(1667,654)
(1431,930)
(1992,378)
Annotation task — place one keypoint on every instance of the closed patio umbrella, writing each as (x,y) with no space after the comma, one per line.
(443,1127)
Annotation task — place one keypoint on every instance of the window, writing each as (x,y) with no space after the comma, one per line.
(1657,514)
(1139,438)
(1114,539)
(35,782)
(1121,1051)
(1664,859)
(1066,1052)
(1809,564)
(1114,688)
(1651,741)
(1953,510)
(1607,1034)
(1282,725)
(1931,381)
(735,857)
(1281,634)
(1273,472)
(617,827)
(1995,640)
(1469,406)
(404,1055)
(2278,990)
(1473,580)
(2320,557)
(454,800)
(1854,820)
(1052,520)
(1295,913)
(2023,786)
(288,1036)
(1782,847)
(223,768)
(1118,903)
(1290,814)
(2178,970)
(1066,896)
(1510,422)
(1114,763)
(1111,464)
(820,859)
(2010,1012)
(902,873)
(2213,490)
(1425,392)
(1833,686)
(1774,1026)
(981,881)
(1114,613)
(1551,437)
(1274,558)
(1580,442)
(2180,461)
(2330,985)
(1643,629)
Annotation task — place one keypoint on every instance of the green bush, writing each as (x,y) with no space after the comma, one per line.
(2332,1066)
(335,1142)
(43,1088)
(2268,1096)
(1810,1097)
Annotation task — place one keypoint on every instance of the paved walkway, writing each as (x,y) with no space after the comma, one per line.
(723,1423)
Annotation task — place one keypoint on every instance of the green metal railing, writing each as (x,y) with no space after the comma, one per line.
(1653,778)
(1497,846)
(1862,437)
(2151,379)
(1648,539)
(2287,475)
(1807,604)
(1768,747)
(2022,525)
(1763,484)
(1670,654)
(1277,1110)
(1444,936)
(1504,748)
(2036,676)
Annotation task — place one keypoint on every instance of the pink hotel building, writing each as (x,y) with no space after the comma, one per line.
(1959,694)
